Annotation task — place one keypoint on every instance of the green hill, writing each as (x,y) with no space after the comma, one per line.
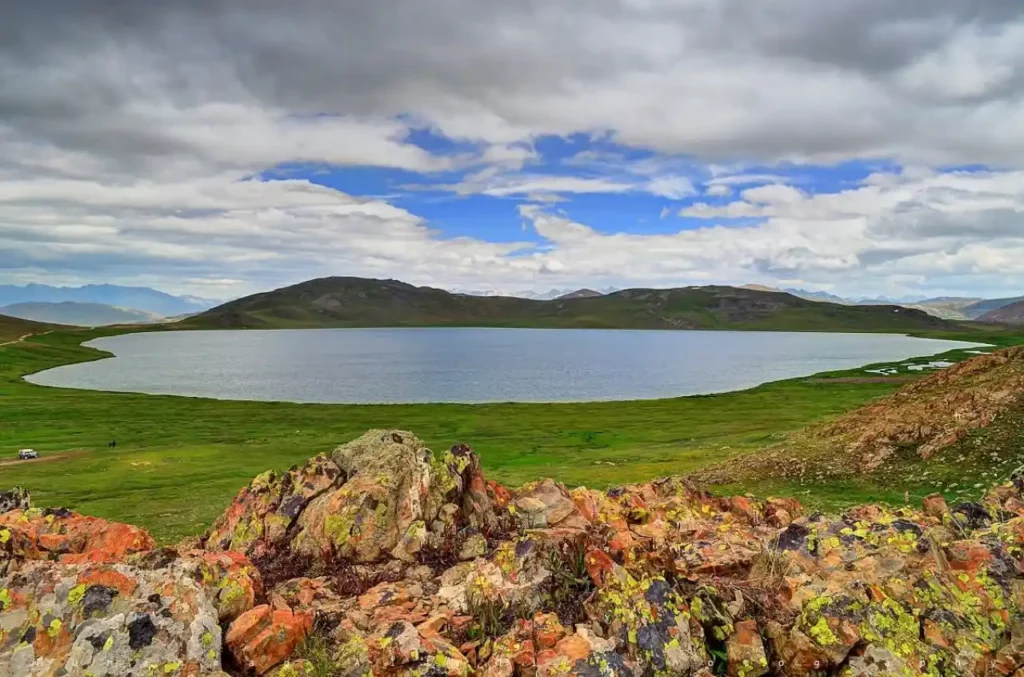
(358,302)
(13,328)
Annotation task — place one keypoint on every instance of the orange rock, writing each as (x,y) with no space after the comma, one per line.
(967,556)
(110,578)
(263,637)
(743,507)
(547,631)
(74,538)
(573,648)
(745,651)
(934,505)
(598,564)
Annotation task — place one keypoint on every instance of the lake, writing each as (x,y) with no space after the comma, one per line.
(469,365)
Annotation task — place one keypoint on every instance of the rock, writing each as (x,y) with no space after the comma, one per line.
(231,581)
(414,564)
(15,499)
(106,620)
(402,649)
(745,651)
(473,547)
(264,637)
(546,504)
(260,518)
(935,506)
(69,537)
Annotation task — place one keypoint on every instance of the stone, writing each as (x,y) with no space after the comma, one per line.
(745,651)
(106,620)
(15,499)
(545,504)
(934,505)
(264,637)
(69,537)
(473,547)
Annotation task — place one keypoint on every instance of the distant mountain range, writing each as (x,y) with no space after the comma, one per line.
(549,295)
(78,314)
(1012,313)
(142,299)
(946,307)
(358,302)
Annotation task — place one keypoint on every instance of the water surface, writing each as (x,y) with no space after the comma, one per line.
(469,365)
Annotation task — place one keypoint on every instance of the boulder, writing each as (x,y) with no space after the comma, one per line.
(106,620)
(379,497)
(15,499)
(264,637)
(68,537)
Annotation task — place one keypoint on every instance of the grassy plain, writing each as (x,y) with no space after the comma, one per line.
(178,461)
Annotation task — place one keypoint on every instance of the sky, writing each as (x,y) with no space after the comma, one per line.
(224,147)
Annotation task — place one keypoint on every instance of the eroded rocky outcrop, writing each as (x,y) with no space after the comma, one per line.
(384,559)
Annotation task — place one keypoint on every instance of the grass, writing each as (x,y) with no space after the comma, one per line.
(179,461)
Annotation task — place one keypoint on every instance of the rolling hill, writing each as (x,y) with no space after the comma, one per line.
(358,302)
(13,328)
(1009,314)
(80,314)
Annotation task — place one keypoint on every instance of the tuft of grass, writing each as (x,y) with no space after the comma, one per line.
(317,649)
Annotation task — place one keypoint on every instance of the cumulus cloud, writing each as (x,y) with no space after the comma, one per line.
(131,133)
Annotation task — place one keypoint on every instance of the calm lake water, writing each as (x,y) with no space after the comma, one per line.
(469,365)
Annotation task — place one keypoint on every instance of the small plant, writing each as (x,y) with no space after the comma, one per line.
(496,616)
(316,649)
(569,585)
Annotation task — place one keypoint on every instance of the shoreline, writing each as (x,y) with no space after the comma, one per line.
(822,376)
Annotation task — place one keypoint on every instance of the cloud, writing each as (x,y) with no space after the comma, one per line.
(130,134)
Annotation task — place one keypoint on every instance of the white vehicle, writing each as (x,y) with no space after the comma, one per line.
(26,454)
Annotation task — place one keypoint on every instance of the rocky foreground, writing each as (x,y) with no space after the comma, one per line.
(384,559)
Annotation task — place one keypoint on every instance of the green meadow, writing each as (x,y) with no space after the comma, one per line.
(179,461)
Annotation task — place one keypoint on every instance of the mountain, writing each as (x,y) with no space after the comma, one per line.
(358,302)
(140,298)
(79,314)
(982,308)
(818,296)
(1009,314)
(580,294)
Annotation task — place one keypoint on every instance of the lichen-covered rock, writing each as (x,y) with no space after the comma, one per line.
(745,651)
(68,537)
(230,580)
(17,498)
(264,637)
(260,518)
(382,496)
(106,620)
(402,649)
(393,561)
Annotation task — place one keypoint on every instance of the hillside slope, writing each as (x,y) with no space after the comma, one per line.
(1009,314)
(80,314)
(13,328)
(909,428)
(357,302)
